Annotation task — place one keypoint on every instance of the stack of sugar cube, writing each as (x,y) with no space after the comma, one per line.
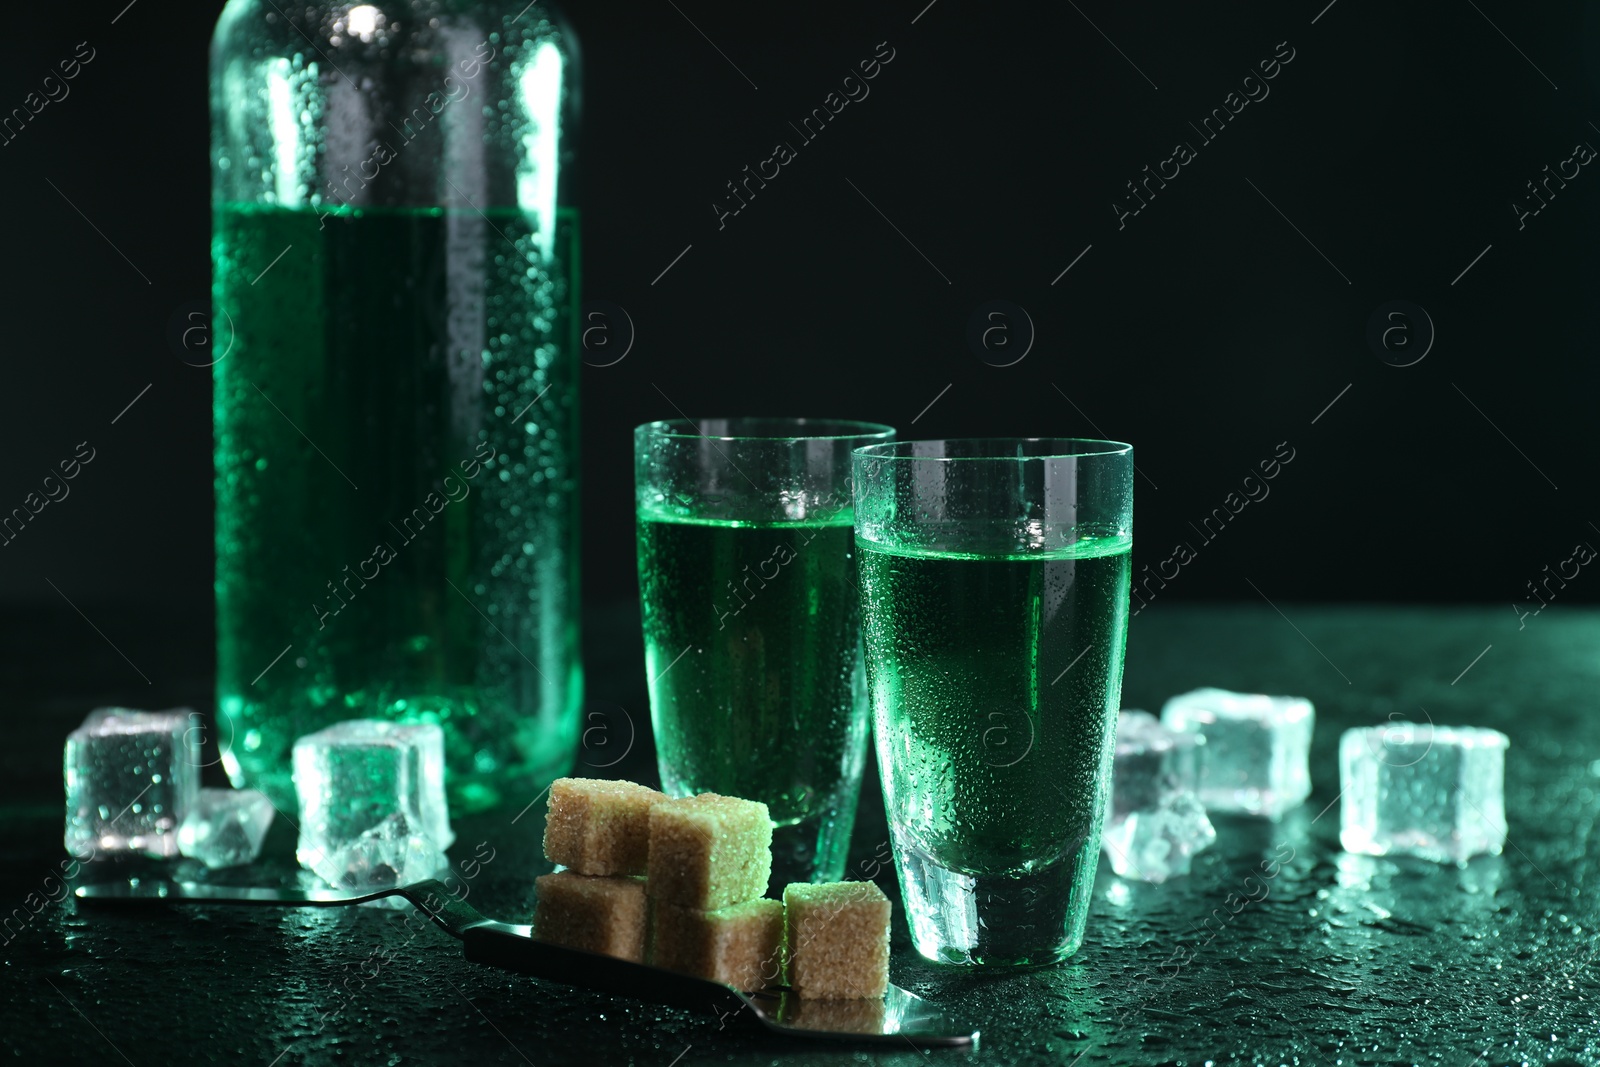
(698,908)
(678,881)
(710,859)
(600,832)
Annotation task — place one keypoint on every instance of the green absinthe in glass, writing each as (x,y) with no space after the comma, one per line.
(995,679)
(752,642)
(405,554)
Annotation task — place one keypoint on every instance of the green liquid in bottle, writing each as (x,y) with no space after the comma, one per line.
(394,487)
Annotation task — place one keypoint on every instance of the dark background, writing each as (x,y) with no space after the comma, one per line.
(1206,331)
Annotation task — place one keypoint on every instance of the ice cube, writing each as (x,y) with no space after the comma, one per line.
(1159,842)
(372,802)
(392,852)
(131,778)
(1151,762)
(1154,821)
(225,827)
(1422,790)
(1255,748)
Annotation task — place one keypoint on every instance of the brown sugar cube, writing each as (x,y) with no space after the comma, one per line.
(833,1016)
(604,915)
(836,940)
(740,945)
(709,851)
(599,827)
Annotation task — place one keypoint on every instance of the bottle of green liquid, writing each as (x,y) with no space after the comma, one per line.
(396,331)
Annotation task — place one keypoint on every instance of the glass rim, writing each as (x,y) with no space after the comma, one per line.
(686,429)
(1092,446)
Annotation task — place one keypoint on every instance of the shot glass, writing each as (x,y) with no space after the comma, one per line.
(752,622)
(994,590)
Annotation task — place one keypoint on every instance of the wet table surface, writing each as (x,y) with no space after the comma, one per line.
(1344,960)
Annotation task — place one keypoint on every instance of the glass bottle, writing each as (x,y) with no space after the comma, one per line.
(395,295)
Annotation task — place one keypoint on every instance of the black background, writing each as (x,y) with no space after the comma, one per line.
(986,159)
(1206,332)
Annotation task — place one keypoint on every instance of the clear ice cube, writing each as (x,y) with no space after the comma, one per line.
(1256,748)
(1422,790)
(1154,821)
(391,853)
(1158,843)
(372,802)
(1151,761)
(225,827)
(131,778)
